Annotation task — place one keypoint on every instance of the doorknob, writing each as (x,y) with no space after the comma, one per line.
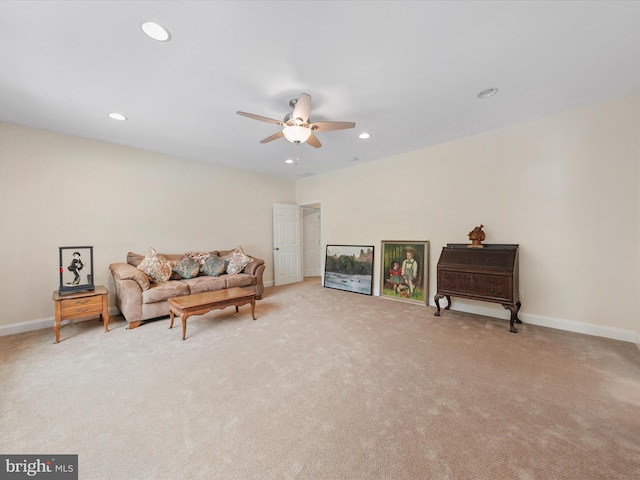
(277,248)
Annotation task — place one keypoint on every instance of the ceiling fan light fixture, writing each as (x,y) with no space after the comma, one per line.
(296,133)
(296,127)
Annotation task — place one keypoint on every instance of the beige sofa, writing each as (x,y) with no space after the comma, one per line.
(139,298)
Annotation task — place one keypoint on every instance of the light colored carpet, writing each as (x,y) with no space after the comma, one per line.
(325,384)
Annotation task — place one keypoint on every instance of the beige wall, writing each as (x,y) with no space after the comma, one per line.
(57,190)
(564,187)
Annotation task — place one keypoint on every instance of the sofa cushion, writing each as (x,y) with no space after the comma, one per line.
(187,267)
(134,258)
(124,271)
(240,280)
(157,268)
(213,266)
(159,292)
(205,284)
(237,260)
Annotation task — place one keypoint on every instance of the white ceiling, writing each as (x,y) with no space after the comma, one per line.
(407,72)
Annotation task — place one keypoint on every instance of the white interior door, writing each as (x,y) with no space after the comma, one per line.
(311,242)
(286,244)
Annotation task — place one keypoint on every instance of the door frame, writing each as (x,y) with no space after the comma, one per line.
(317,207)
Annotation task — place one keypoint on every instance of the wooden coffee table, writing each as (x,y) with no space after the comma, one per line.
(201,303)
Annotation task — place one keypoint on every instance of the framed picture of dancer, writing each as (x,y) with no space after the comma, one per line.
(404,271)
(76,269)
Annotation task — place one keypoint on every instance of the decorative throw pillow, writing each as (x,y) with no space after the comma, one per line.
(157,268)
(213,266)
(199,257)
(187,267)
(237,260)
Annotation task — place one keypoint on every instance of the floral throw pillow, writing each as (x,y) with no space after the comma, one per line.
(187,267)
(213,266)
(155,266)
(199,257)
(237,260)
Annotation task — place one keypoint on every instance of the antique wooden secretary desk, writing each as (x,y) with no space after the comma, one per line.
(488,273)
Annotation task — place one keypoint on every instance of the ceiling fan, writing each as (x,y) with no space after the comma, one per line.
(296,126)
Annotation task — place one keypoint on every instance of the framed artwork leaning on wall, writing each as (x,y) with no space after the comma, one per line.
(404,270)
(350,268)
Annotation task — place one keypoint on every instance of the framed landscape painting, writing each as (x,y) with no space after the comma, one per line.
(350,268)
(405,270)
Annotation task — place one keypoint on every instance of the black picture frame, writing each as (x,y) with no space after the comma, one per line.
(76,269)
(349,268)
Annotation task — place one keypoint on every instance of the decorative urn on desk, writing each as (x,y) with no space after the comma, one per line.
(477,236)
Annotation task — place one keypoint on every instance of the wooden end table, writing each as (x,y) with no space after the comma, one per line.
(71,306)
(201,303)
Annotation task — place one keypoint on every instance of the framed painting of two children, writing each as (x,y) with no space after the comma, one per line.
(404,269)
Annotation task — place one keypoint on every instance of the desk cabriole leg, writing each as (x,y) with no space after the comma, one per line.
(436,299)
(518,305)
(514,316)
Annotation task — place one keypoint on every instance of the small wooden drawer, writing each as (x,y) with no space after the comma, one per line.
(81,302)
(82,310)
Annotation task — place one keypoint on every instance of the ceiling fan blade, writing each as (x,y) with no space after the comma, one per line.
(273,137)
(258,117)
(327,126)
(302,108)
(313,141)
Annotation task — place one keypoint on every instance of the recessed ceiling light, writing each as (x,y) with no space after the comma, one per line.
(117,116)
(364,135)
(288,160)
(156,31)
(354,159)
(489,92)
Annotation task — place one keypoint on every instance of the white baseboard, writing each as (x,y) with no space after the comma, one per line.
(581,327)
(30,325)
(557,323)
(27,326)
(496,311)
